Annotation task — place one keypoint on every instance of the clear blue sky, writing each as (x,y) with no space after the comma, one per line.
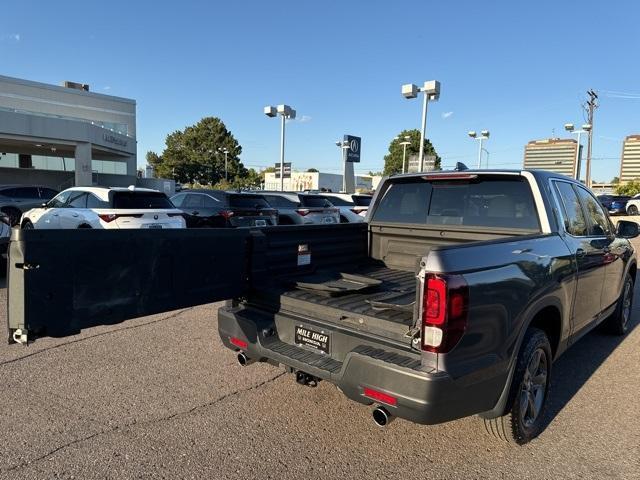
(520,69)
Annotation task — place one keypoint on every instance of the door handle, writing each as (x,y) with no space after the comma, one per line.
(195,212)
(74,214)
(55,214)
(580,252)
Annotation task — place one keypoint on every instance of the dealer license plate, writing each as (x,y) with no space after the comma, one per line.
(312,338)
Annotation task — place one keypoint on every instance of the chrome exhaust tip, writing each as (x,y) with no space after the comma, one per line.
(243,360)
(382,417)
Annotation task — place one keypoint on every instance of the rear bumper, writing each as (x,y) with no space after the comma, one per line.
(422,395)
(618,211)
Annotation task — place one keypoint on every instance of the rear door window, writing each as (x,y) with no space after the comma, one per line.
(493,202)
(95,202)
(178,200)
(193,200)
(575,223)
(77,200)
(598,221)
(26,192)
(212,202)
(140,200)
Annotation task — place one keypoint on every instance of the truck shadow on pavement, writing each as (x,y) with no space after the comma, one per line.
(576,366)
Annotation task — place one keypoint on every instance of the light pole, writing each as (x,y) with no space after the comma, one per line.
(343,145)
(226,152)
(285,112)
(430,91)
(484,135)
(586,128)
(404,151)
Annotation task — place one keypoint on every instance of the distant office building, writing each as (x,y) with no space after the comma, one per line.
(630,164)
(301,181)
(554,154)
(65,135)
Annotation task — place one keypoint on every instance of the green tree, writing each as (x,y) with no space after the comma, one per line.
(615,180)
(155,161)
(630,188)
(312,170)
(193,155)
(393,160)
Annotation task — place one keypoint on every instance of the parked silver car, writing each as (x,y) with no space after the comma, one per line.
(302,208)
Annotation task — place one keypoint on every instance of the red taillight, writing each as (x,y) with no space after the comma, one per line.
(238,343)
(444,312)
(435,301)
(108,217)
(227,214)
(380,396)
(303,211)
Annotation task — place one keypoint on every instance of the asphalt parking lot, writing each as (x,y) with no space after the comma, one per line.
(159,397)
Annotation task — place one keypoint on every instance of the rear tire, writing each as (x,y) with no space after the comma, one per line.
(632,210)
(618,322)
(529,394)
(27,225)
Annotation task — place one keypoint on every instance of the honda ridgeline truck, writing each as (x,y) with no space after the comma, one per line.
(454,298)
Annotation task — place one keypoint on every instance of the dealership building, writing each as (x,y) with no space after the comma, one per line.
(300,181)
(61,136)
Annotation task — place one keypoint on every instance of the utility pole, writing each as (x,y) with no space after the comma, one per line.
(590,107)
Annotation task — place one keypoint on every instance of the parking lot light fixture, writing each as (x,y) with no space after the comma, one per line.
(226,153)
(586,128)
(430,91)
(286,113)
(484,135)
(404,144)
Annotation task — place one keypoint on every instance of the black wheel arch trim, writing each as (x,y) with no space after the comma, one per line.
(532,312)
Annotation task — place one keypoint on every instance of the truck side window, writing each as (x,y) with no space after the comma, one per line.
(575,223)
(599,224)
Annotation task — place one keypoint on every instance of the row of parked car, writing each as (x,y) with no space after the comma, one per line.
(116,207)
(621,204)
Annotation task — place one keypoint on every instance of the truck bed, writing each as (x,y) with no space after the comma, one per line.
(350,310)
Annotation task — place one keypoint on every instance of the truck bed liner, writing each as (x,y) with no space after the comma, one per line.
(358,302)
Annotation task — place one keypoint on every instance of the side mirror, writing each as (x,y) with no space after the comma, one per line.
(626,229)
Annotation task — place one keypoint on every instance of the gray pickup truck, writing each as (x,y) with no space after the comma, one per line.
(453,299)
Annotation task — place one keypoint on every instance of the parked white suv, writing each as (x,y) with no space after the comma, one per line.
(105,207)
(353,206)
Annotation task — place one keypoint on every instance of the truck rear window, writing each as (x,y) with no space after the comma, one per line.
(141,200)
(485,202)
